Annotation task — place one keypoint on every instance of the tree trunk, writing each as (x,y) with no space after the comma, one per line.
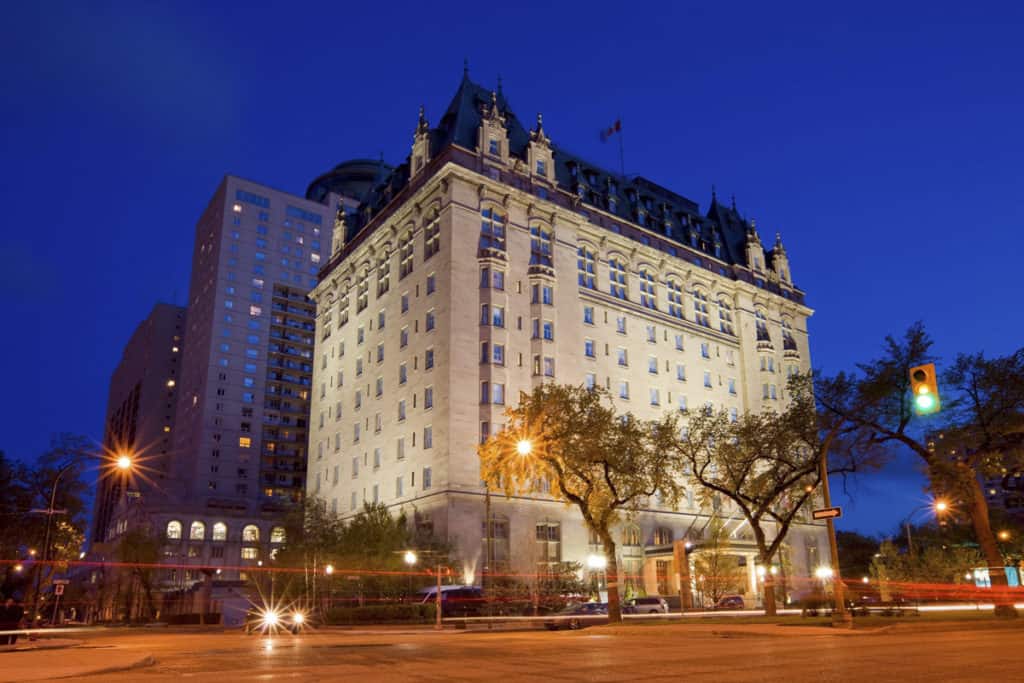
(767,584)
(987,540)
(612,573)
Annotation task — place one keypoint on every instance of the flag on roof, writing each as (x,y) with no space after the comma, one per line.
(611,130)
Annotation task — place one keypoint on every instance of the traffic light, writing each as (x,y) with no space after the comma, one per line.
(925,389)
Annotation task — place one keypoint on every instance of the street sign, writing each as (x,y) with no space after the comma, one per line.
(61,582)
(58,589)
(827,513)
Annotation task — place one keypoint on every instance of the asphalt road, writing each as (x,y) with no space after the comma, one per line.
(690,652)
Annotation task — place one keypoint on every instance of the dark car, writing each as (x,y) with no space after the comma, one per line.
(456,601)
(577,616)
(648,605)
(730,602)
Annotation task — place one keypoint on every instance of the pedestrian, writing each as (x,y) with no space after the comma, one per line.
(10,615)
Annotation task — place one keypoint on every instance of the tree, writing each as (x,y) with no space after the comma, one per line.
(926,571)
(606,465)
(981,425)
(140,552)
(767,464)
(856,551)
(718,571)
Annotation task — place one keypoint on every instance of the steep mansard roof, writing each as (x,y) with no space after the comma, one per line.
(633,199)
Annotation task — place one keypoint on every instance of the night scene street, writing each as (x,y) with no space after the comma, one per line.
(570,341)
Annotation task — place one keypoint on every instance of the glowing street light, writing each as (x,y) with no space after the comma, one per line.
(124,462)
(524,447)
(941,506)
(18,568)
(410,557)
(865,580)
(329,569)
(1004,535)
(597,562)
(824,573)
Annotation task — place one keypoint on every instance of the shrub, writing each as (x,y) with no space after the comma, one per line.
(382,614)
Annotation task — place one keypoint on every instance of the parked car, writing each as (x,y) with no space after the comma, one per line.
(577,616)
(648,605)
(730,602)
(456,601)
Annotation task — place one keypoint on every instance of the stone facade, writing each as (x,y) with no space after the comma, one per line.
(484,276)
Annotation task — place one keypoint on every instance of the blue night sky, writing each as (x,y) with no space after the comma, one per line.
(884,142)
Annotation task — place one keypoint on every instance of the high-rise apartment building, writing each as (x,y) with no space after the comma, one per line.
(494,260)
(242,418)
(140,419)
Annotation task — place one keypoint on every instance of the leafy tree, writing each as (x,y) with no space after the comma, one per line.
(767,464)
(139,552)
(981,425)
(856,551)
(926,571)
(606,465)
(718,570)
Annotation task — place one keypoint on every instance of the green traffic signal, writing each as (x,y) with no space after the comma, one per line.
(924,402)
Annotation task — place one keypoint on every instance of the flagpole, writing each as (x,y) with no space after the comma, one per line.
(622,156)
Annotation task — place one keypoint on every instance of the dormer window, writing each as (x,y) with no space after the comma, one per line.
(542,167)
(492,146)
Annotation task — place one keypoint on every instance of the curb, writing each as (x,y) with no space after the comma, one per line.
(148,660)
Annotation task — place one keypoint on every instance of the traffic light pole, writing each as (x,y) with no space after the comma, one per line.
(840,617)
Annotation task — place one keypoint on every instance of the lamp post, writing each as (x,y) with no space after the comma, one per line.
(410,561)
(940,507)
(840,617)
(597,565)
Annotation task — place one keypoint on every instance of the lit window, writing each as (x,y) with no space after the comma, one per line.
(277,534)
(431,238)
(255,311)
(540,246)
(237,208)
(173,530)
(405,255)
(250,553)
(244,442)
(197,531)
(220,531)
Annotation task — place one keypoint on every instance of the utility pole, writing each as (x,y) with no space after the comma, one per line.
(840,617)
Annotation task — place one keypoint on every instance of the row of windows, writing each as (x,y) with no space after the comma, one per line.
(426,482)
(197,532)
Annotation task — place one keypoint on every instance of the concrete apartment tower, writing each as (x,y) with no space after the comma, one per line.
(140,421)
(493,260)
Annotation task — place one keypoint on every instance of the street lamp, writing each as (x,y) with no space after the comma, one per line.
(1004,535)
(329,569)
(410,559)
(524,447)
(124,462)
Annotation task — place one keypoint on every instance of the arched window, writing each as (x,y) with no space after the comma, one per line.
(405,248)
(540,246)
(277,535)
(761,321)
(700,308)
(250,534)
(663,536)
(173,530)
(431,238)
(585,267)
(725,316)
(675,299)
(648,289)
(343,309)
(492,229)
(788,342)
(363,289)
(631,535)
(617,278)
(220,531)
(197,532)
(384,273)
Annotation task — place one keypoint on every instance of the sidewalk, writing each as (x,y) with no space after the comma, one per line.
(731,630)
(24,644)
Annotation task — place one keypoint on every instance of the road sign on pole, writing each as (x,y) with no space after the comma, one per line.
(58,589)
(828,513)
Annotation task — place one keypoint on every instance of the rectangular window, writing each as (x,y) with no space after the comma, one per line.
(244,442)
(376,458)
(623,389)
(549,366)
(403,373)
(707,379)
(380,352)
(705,350)
(428,437)
(431,284)
(403,338)
(549,330)
(620,324)
(682,404)
(652,365)
(430,321)
(588,348)
(732,386)
(398,486)
(680,372)
(679,342)
(623,359)
(652,334)
(498,393)
(405,302)
(588,315)
(590,380)
(400,448)
(655,397)
(355,467)
(427,478)
(428,359)
(401,410)
(428,398)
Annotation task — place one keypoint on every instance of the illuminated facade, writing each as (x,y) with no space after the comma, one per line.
(492,261)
